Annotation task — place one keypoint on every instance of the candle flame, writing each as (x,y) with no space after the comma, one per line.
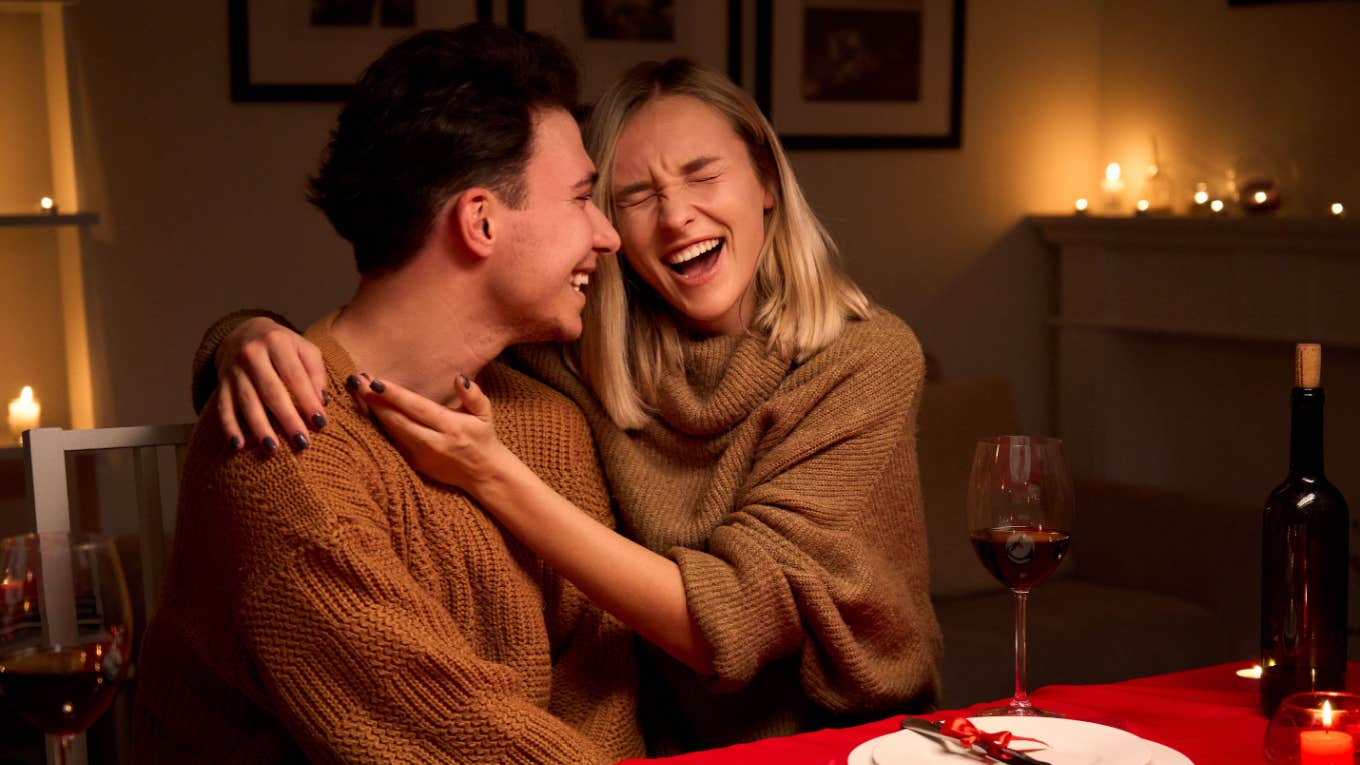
(1327,714)
(1112,171)
(1143,205)
(26,395)
(46,203)
(1216,205)
(1082,203)
(1201,197)
(1338,208)
(1260,197)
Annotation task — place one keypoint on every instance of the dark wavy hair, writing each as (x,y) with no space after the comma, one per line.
(437,113)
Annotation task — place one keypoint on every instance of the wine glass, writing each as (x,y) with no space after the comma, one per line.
(65,630)
(1020,520)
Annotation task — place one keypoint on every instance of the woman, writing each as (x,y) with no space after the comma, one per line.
(754,414)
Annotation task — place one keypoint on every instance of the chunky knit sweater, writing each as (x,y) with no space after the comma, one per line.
(788,494)
(333,605)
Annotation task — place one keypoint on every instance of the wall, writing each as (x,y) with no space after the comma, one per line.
(31,337)
(202,208)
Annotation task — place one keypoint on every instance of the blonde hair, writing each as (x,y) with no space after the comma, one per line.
(803,299)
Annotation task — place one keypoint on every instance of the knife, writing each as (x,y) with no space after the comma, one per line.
(932,731)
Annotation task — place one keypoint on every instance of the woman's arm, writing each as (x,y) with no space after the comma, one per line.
(642,589)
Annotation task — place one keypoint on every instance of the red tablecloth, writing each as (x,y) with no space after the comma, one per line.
(1210,715)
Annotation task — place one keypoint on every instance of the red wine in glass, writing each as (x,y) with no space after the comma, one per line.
(1019,518)
(1020,556)
(65,630)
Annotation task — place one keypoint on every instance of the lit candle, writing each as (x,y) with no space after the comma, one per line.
(24,412)
(1216,206)
(48,206)
(1113,186)
(1082,204)
(1338,210)
(1142,206)
(1326,746)
(1250,673)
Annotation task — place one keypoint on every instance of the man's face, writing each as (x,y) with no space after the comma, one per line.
(551,244)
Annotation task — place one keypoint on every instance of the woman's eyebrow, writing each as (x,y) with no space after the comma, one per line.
(692,166)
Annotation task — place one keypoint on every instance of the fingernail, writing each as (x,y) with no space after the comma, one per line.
(467,383)
(365,375)
(300,440)
(236,442)
(319,420)
(377,386)
(352,383)
(325,397)
(269,444)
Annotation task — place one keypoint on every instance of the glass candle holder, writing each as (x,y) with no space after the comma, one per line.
(1314,728)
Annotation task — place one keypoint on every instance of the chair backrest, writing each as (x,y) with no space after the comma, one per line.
(155,459)
(156,478)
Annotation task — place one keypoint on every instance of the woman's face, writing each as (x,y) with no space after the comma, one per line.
(690,211)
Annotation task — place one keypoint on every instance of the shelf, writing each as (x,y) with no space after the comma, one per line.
(1195,333)
(45,219)
(1201,234)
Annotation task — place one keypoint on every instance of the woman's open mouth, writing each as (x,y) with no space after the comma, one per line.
(696,259)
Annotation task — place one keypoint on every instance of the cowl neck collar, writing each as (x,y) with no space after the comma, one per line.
(725,378)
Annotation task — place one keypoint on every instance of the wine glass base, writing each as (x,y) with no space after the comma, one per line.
(1010,711)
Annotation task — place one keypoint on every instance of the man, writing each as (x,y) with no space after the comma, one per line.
(328,603)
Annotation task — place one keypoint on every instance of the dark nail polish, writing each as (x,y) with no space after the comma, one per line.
(467,383)
(364,375)
(269,444)
(377,386)
(352,383)
(236,442)
(325,397)
(319,420)
(300,440)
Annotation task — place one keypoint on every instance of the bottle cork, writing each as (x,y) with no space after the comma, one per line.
(1307,365)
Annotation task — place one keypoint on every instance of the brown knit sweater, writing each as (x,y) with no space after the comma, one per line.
(789,496)
(331,604)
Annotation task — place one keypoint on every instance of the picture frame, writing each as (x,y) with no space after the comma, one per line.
(606,45)
(862,74)
(314,50)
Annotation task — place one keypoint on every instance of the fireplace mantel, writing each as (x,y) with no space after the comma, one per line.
(1173,346)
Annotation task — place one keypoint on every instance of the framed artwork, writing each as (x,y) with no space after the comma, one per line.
(609,36)
(314,50)
(861,74)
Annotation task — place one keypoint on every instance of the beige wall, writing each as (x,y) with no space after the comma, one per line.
(202,205)
(31,337)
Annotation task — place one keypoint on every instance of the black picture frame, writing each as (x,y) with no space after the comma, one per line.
(246,89)
(588,51)
(948,115)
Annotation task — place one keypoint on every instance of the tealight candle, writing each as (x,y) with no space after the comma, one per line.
(1250,673)
(1081,205)
(1142,206)
(48,206)
(1338,210)
(1326,746)
(24,412)
(1216,206)
(1113,187)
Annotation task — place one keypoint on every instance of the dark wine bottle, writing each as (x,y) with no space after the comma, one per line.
(1305,547)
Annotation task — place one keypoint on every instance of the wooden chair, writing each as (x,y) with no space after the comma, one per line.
(155,452)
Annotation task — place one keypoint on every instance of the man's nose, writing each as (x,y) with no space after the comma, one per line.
(606,240)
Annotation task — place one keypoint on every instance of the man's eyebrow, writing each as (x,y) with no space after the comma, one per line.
(587,182)
(692,166)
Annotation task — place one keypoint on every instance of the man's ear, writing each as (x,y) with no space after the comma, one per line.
(474,220)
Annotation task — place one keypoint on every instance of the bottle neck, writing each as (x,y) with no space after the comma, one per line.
(1305,433)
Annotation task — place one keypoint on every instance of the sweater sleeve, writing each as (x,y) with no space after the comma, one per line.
(362,665)
(824,554)
(204,373)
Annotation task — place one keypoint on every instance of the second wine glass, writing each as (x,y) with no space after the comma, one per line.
(1020,509)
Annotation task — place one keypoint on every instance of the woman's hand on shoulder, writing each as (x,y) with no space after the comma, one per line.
(263,369)
(456,446)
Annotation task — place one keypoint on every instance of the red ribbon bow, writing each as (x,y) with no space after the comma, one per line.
(995,743)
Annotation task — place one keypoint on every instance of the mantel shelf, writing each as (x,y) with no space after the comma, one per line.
(46,219)
(1201,234)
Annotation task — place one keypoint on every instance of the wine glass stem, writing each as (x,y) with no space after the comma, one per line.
(63,749)
(1021,698)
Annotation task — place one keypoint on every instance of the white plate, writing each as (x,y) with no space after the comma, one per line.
(1072,742)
